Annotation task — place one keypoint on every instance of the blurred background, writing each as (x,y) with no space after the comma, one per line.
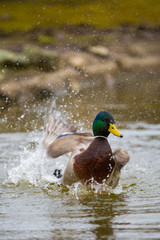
(81,57)
(88,55)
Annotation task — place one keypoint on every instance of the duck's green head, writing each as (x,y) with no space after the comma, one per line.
(104,124)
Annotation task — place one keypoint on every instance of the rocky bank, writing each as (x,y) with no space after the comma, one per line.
(40,63)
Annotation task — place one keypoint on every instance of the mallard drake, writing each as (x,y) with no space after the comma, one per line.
(91,156)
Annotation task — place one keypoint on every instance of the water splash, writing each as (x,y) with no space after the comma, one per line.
(36,169)
(80,190)
(31,168)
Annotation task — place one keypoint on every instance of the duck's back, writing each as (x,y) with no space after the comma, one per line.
(95,162)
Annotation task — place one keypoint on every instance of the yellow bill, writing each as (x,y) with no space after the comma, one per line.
(112,129)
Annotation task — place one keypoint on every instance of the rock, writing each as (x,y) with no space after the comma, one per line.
(10,90)
(101,68)
(56,80)
(44,59)
(9,59)
(133,63)
(75,85)
(89,64)
(142,49)
(5,56)
(41,84)
(47,83)
(99,50)
(79,60)
(32,56)
(138,49)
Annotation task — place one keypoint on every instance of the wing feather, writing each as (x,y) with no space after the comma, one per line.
(121,157)
(61,138)
(56,127)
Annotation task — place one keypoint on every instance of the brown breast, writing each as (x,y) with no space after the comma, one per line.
(96,162)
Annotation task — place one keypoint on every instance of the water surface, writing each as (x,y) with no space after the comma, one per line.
(35,206)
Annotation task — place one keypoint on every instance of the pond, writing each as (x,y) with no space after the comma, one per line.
(35,206)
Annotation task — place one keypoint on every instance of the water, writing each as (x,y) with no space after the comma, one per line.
(35,206)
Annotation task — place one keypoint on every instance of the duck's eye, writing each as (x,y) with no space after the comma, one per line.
(112,127)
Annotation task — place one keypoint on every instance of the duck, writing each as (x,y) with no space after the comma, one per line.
(91,157)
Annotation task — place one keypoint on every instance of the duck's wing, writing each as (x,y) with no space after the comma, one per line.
(121,157)
(61,138)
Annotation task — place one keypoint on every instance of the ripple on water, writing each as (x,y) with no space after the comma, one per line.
(30,191)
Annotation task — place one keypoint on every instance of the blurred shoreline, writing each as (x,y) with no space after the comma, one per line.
(37,64)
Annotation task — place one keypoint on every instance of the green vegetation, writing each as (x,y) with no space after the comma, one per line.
(43,38)
(29,14)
